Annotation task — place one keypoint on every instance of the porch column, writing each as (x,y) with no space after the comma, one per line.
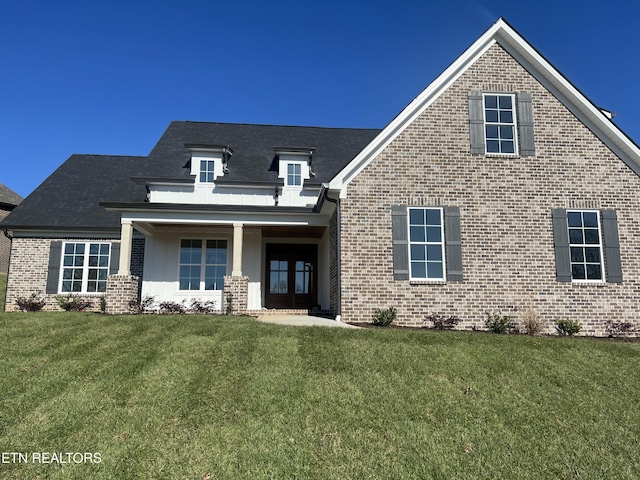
(236,270)
(126,237)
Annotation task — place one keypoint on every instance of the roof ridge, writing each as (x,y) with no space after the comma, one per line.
(273,125)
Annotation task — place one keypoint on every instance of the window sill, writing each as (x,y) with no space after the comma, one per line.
(427,282)
(82,294)
(588,283)
(501,155)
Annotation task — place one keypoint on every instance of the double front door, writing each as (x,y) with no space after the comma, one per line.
(291,275)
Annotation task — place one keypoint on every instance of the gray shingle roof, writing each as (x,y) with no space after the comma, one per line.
(70,197)
(8,196)
(253,148)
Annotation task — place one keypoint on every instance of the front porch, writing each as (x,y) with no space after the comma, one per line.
(244,268)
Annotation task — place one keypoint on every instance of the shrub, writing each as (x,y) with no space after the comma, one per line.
(33,303)
(145,305)
(498,323)
(384,316)
(567,327)
(198,306)
(618,329)
(440,322)
(530,321)
(73,303)
(148,305)
(103,304)
(172,307)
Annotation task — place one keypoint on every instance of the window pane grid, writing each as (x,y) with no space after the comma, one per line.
(585,245)
(85,267)
(304,276)
(203,264)
(278,277)
(499,124)
(206,171)
(294,174)
(426,246)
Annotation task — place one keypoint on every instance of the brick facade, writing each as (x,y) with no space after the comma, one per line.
(505,208)
(238,288)
(121,289)
(29,270)
(5,245)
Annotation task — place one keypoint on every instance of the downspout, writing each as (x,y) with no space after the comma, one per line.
(338,252)
(10,237)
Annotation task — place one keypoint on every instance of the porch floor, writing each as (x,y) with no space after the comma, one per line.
(302,320)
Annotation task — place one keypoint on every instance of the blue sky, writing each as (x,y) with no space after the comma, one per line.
(107,77)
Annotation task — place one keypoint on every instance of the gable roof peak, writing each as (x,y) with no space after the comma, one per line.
(536,64)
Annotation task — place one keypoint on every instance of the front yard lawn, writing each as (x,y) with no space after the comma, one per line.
(177,397)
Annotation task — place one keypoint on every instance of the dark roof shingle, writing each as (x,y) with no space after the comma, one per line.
(69,198)
(8,196)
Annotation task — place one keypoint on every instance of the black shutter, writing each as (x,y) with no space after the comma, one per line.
(476,123)
(611,246)
(525,124)
(53,272)
(114,262)
(400,242)
(561,245)
(453,243)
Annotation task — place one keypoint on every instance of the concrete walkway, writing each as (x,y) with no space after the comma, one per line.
(303,320)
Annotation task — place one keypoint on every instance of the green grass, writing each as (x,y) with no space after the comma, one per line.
(176,397)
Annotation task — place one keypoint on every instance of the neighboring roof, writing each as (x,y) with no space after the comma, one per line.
(506,36)
(8,197)
(253,148)
(70,198)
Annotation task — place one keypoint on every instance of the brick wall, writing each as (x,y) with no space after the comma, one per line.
(28,271)
(5,245)
(505,207)
(238,287)
(121,289)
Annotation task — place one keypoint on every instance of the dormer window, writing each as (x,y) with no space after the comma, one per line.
(208,162)
(294,165)
(207,171)
(294,175)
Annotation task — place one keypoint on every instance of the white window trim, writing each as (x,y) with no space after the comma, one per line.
(85,267)
(216,158)
(285,161)
(516,146)
(603,274)
(201,289)
(417,280)
(286,180)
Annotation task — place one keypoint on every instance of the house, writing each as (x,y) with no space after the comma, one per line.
(8,201)
(500,186)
